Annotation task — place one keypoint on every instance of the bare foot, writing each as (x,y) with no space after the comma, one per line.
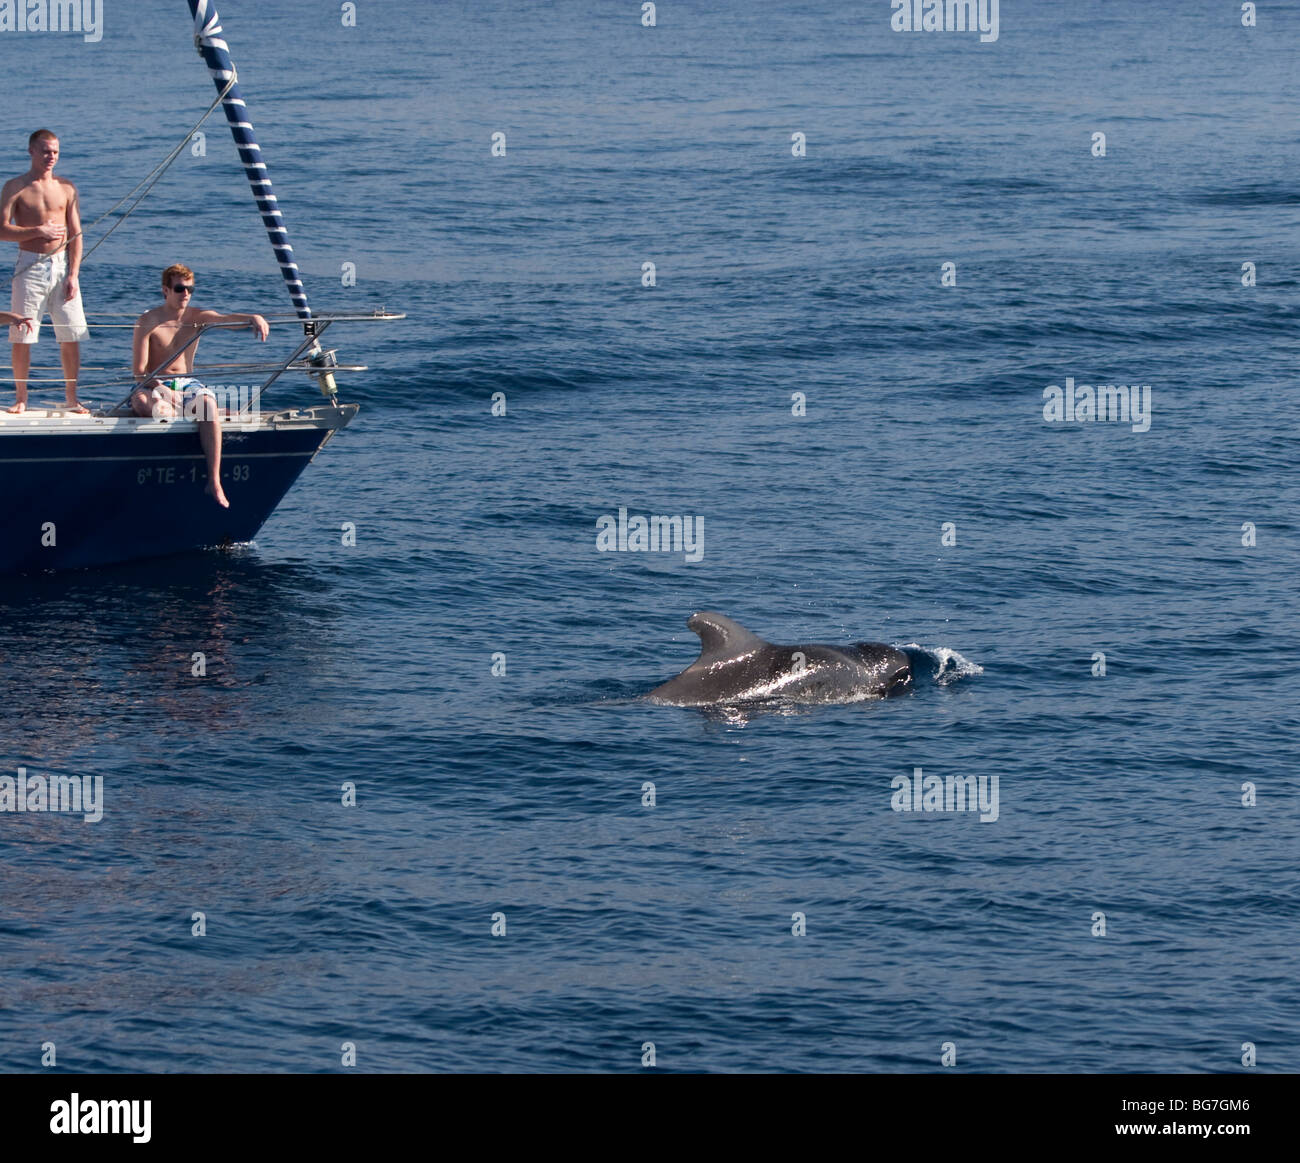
(78,409)
(18,408)
(215,491)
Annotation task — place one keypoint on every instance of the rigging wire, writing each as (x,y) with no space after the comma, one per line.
(152,178)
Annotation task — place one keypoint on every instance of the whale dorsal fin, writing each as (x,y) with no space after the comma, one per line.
(720,637)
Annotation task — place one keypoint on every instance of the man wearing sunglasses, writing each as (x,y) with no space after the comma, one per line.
(160,333)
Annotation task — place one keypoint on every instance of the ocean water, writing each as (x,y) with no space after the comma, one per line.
(921,500)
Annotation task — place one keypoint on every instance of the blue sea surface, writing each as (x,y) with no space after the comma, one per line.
(473,665)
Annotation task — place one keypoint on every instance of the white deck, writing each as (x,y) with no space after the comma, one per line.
(58,422)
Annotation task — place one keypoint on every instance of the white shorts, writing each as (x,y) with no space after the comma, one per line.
(38,289)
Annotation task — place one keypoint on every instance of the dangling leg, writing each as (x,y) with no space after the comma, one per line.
(210,438)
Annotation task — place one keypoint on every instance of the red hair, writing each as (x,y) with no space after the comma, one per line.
(176,269)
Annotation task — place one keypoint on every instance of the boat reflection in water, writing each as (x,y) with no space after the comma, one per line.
(152,664)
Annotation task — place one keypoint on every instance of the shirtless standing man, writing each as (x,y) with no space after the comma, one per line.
(163,330)
(39,212)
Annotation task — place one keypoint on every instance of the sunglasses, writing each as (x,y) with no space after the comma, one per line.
(182,289)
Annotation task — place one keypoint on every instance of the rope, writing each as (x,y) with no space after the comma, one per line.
(158,170)
(152,178)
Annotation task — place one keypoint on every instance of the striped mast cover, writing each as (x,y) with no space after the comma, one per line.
(216,55)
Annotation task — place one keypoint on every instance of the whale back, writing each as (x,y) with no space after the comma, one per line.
(736,664)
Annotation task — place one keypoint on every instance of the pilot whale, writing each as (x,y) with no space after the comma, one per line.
(737,666)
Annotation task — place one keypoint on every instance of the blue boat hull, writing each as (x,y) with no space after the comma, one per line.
(74,496)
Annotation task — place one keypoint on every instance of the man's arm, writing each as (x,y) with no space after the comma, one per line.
(140,349)
(23,322)
(73,221)
(256,322)
(46,232)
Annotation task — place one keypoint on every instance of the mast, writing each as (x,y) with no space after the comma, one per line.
(216,55)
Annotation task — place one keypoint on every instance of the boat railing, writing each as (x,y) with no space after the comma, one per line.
(321,364)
